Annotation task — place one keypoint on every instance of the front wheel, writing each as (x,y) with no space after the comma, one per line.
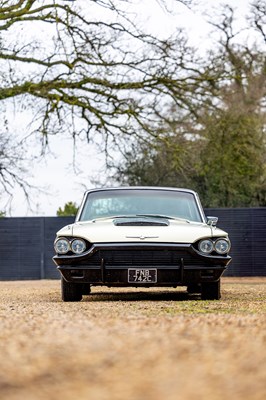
(86,288)
(71,291)
(193,288)
(211,290)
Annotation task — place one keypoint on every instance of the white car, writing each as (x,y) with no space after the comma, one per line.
(141,237)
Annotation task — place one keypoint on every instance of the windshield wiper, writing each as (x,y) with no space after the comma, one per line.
(162,216)
(114,216)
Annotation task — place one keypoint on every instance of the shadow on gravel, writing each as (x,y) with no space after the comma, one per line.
(141,296)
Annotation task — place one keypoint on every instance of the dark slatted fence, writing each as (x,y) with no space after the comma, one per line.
(26,247)
(247,231)
(26,244)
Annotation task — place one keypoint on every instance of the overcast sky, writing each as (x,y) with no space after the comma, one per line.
(55,174)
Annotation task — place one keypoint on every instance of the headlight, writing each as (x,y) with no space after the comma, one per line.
(222,246)
(206,246)
(78,246)
(62,246)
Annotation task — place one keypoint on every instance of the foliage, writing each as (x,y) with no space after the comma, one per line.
(70,209)
(217,146)
(232,167)
(179,118)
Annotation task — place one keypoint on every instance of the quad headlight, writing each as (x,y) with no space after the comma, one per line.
(74,245)
(206,246)
(62,246)
(220,246)
(78,246)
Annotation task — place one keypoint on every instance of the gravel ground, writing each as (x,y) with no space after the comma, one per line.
(132,344)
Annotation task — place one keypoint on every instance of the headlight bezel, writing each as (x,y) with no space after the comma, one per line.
(214,246)
(69,249)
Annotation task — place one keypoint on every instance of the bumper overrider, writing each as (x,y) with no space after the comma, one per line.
(112,263)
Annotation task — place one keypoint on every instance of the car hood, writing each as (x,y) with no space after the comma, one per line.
(105,231)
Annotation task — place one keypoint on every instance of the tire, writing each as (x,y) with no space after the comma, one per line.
(194,288)
(211,290)
(71,291)
(86,288)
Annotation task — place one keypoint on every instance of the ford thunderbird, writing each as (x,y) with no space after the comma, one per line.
(141,237)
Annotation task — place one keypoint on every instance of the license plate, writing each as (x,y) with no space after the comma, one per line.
(142,275)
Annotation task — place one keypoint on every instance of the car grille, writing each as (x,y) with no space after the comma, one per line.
(131,257)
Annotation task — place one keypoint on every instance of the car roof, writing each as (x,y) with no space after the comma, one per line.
(141,188)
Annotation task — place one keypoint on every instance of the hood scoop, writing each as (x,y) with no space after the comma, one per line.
(140,221)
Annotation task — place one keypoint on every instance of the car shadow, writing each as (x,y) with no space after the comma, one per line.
(141,296)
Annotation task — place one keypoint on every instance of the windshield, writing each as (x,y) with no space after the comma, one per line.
(140,202)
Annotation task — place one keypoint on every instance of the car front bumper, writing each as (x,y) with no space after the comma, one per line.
(109,264)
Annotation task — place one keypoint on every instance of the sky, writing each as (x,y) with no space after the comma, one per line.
(55,175)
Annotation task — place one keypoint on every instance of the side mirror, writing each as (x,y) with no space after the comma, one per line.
(212,221)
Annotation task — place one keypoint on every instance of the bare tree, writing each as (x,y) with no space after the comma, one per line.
(12,165)
(217,143)
(84,68)
(83,73)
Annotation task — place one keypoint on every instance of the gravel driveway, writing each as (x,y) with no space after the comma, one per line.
(132,344)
